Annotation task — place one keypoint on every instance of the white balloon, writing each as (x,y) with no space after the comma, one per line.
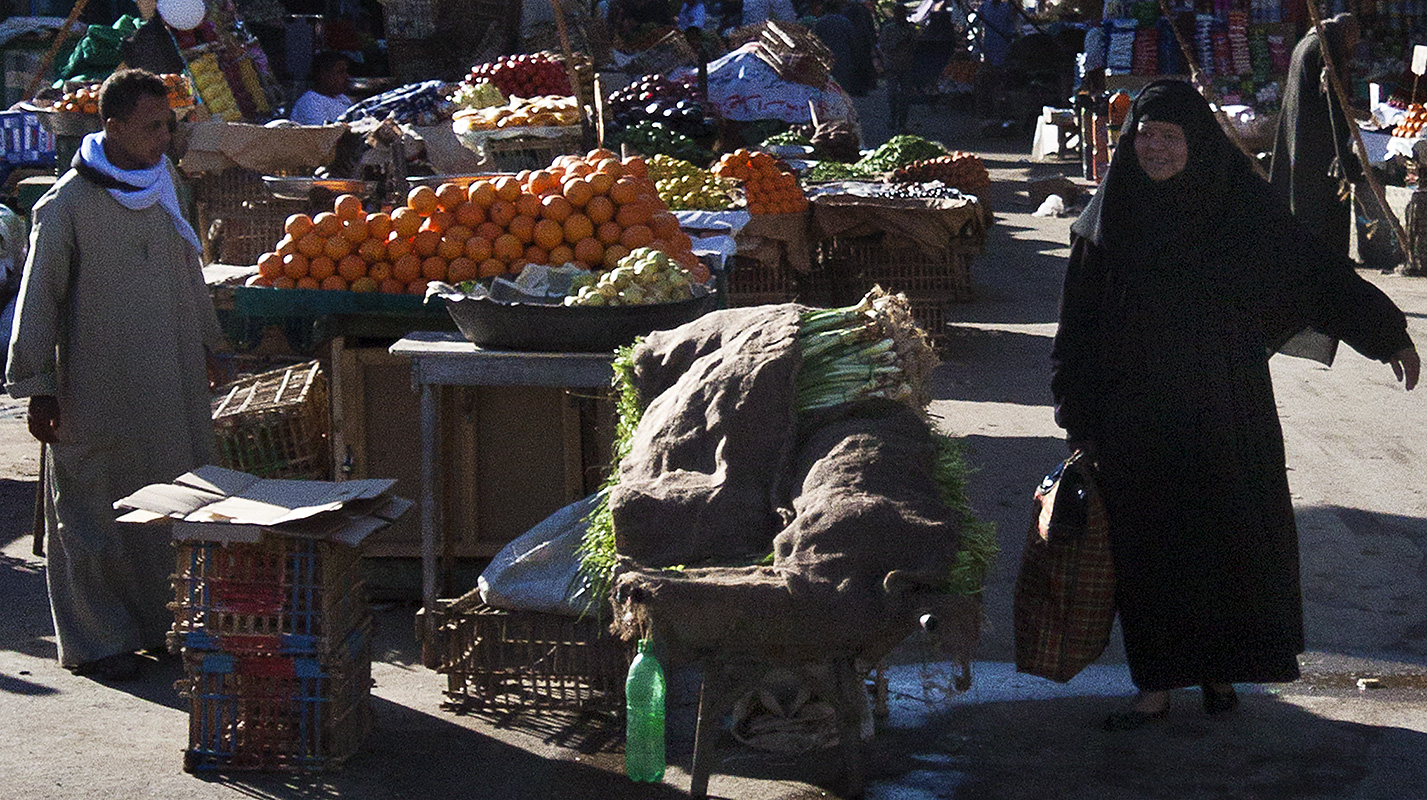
(183,15)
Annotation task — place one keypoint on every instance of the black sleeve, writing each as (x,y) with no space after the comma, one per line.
(1072,354)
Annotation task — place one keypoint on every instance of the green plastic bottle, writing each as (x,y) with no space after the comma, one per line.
(644,717)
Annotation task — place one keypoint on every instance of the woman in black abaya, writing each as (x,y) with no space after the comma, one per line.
(1184,277)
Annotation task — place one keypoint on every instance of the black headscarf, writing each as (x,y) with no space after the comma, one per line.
(1198,221)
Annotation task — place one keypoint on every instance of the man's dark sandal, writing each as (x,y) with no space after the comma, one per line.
(1216,702)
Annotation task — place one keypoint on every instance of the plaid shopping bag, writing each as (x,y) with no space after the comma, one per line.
(1065,592)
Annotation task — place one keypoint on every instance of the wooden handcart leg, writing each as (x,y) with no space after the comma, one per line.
(712,696)
(849,687)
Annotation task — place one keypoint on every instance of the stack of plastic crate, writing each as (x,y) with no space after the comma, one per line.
(276,643)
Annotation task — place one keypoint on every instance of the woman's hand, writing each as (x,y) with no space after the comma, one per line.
(1407,366)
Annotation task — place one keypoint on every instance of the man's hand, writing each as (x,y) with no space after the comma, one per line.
(1407,366)
(43,418)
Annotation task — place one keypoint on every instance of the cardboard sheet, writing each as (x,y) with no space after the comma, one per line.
(216,504)
(214,146)
(935,225)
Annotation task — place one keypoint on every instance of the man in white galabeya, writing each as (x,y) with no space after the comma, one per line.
(109,343)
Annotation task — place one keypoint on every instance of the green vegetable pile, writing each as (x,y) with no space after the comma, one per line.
(654,138)
(788,137)
(685,187)
(873,349)
(899,151)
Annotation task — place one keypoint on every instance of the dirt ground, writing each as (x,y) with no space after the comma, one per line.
(1357,449)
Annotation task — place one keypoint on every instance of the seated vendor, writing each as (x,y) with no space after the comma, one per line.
(327,98)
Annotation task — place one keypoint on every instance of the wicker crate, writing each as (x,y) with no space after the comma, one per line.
(530,152)
(856,264)
(276,712)
(280,595)
(753,283)
(239,219)
(275,424)
(497,659)
(669,53)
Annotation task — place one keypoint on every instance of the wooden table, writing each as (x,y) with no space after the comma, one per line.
(447,359)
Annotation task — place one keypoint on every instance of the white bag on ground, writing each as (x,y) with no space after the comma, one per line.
(540,569)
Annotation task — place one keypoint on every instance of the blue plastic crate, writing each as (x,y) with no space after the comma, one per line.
(23,141)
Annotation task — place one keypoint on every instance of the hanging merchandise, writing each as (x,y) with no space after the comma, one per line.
(1238,35)
(1203,42)
(1120,57)
(213,88)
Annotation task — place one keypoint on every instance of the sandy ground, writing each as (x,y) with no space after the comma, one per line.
(1357,448)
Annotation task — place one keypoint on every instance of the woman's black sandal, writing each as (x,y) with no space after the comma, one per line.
(1217,702)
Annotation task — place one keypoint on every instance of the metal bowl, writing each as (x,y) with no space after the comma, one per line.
(568,329)
(463,181)
(301,188)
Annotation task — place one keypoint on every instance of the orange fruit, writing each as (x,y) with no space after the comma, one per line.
(334,283)
(578,169)
(522,228)
(391,286)
(379,225)
(664,224)
(284,282)
(490,267)
(609,166)
(269,265)
(462,269)
(599,154)
(422,200)
(589,250)
(351,268)
(416,287)
(600,209)
(407,268)
(613,254)
(507,188)
(624,190)
(577,191)
(600,183)
(425,243)
(555,208)
(349,207)
(364,284)
(635,166)
(434,269)
(298,225)
(501,213)
(636,236)
(549,233)
(528,205)
(489,231)
(287,246)
(381,271)
(507,248)
(355,230)
(632,214)
(561,254)
(294,266)
(336,247)
(405,222)
(258,280)
(523,176)
(459,232)
(396,248)
(469,214)
(321,267)
(326,224)
(451,247)
(540,180)
(608,233)
(535,254)
(439,221)
(481,193)
(478,249)
(449,196)
(577,227)
(681,241)
(308,282)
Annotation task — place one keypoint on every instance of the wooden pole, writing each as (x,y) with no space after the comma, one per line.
(1409,267)
(587,130)
(54,48)
(1200,82)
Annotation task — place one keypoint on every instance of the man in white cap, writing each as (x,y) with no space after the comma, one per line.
(109,343)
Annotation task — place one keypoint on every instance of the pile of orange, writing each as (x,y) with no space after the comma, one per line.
(768,187)
(85,100)
(590,211)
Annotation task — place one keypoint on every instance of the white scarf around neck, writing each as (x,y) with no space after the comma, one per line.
(155,185)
